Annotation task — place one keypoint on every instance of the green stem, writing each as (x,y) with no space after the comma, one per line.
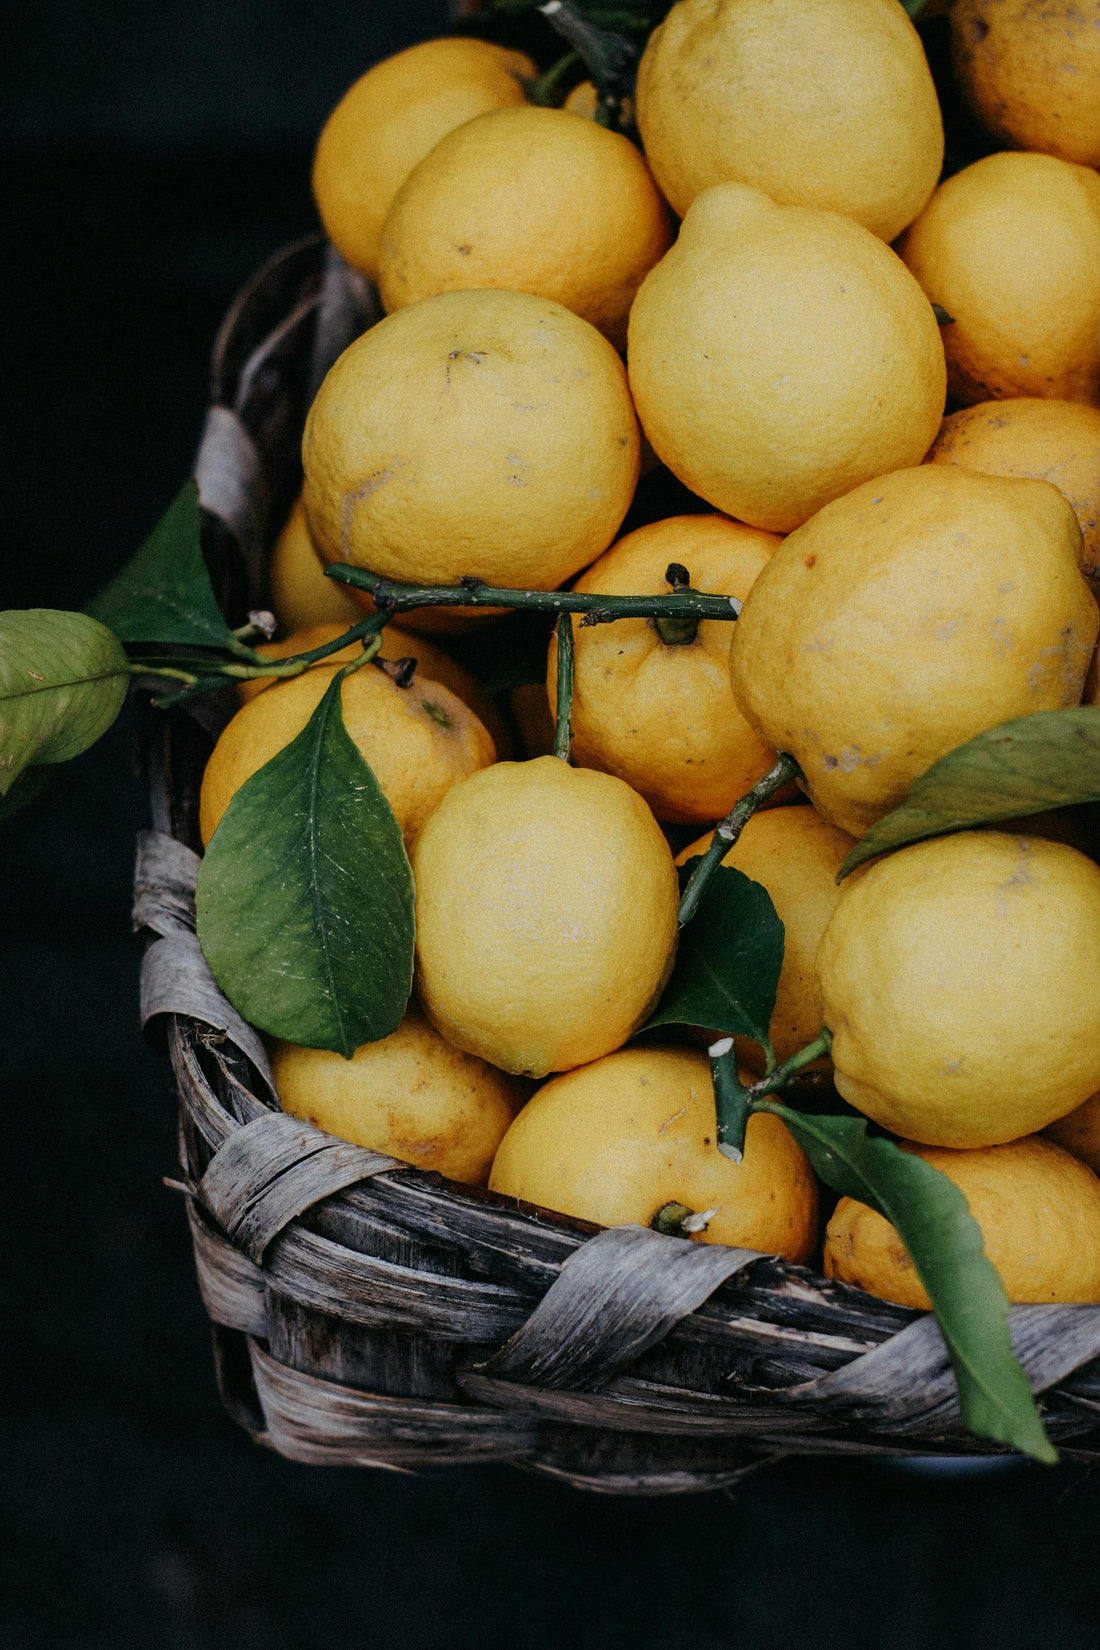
(610,58)
(398,598)
(543,91)
(777,1079)
(731,1100)
(137,669)
(563,730)
(729,829)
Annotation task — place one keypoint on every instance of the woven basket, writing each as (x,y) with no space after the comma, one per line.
(366,1312)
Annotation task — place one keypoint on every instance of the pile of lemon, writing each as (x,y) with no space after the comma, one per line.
(796,295)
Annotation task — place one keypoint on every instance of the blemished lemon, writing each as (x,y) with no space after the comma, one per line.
(616,1140)
(953,978)
(921,609)
(1057,441)
(1031,73)
(818,103)
(780,355)
(432,665)
(1039,1213)
(530,199)
(661,715)
(411,1094)
(391,118)
(1010,248)
(488,434)
(1079,1132)
(795,855)
(418,740)
(546,915)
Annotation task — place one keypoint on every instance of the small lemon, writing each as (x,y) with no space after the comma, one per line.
(780,355)
(1079,1132)
(1039,1213)
(530,199)
(391,118)
(418,740)
(481,433)
(954,978)
(411,1094)
(1010,248)
(300,595)
(661,714)
(546,915)
(919,610)
(616,1140)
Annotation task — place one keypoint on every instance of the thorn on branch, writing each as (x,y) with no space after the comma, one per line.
(400,671)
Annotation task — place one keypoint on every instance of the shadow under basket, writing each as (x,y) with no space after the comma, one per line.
(368,1313)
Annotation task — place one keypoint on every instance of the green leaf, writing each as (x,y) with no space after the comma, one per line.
(1049,760)
(63,679)
(163,594)
(305,895)
(727,966)
(944,1242)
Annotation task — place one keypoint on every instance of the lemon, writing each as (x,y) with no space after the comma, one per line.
(1039,1213)
(903,619)
(816,102)
(795,855)
(391,118)
(661,715)
(300,595)
(418,741)
(411,1094)
(954,978)
(616,1140)
(780,355)
(1010,248)
(546,915)
(1032,73)
(481,433)
(1056,441)
(1079,1132)
(531,199)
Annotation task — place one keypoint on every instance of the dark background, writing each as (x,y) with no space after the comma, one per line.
(153,155)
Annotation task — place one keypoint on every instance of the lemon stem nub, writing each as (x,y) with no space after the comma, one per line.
(727,831)
(821,1046)
(563,729)
(678,631)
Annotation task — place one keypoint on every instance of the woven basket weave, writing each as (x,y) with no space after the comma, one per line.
(366,1312)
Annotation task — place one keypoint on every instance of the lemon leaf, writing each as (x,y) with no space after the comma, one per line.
(305,895)
(1048,760)
(728,962)
(164,594)
(944,1242)
(63,679)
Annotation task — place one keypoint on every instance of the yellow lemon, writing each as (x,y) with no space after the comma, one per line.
(476,433)
(583,101)
(300,595)
(661,714)
(780,355)
(411,1094)
(614,1141)
(795,855)
(954,977)
(1010,248)
(432,665)
(530,199)
(816,102)
(1056,441)
(903,619)
(546,915)
(1039,1213)
(391,118)
(418,741)
(1031,73)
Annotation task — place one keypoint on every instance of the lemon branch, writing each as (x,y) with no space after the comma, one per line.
(729,829)
(731,1100)
(563,730)
(393,598)
(777,1079)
